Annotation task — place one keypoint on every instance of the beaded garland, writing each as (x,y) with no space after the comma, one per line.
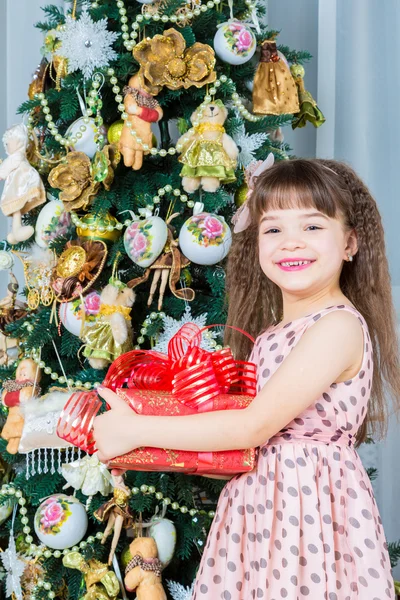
(44,552)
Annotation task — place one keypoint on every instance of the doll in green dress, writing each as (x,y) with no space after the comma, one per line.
(209,155)
(111,333)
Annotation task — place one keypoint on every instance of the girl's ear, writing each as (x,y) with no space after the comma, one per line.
(352,243)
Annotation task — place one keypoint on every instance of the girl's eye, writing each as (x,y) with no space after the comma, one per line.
(274,229)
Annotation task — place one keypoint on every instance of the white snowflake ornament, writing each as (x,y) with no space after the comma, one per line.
(87,44)
(179,592)
(14,568)
(172,326)
(248,143)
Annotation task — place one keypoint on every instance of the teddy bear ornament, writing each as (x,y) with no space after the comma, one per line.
(23,187)
(208,154)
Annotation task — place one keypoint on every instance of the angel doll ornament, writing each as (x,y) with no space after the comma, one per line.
(116,513)
(23,188)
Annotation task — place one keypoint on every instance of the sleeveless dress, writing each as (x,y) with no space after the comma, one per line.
(304,524)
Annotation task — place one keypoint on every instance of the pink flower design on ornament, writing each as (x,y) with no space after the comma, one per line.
(92,303)
(213,227)
(52,514)
(138,244)
(244,40)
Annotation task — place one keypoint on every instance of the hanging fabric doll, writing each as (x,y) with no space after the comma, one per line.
(167,267)
(111,333)
(23,188)
(142,110)
(274,90)
(15,391)
(309,110)
(116,512)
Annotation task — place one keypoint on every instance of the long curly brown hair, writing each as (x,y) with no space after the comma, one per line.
(255,302)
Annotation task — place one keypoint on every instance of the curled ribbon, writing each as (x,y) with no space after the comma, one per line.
(193,375)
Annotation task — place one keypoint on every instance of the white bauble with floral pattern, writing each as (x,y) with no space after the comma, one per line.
(234,42)
(205,238)
(60,522)
(53,221)
(71,313)
(86,143)
(145,239)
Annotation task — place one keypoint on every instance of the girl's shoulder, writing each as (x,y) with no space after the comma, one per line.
(306,321)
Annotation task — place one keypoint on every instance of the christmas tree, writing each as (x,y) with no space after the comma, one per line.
(141,121)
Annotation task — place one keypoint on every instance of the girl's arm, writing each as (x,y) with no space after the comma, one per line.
(327,349)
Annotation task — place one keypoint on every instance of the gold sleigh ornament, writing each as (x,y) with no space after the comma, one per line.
(77,268)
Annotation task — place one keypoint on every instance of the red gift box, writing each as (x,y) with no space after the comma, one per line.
(186,381)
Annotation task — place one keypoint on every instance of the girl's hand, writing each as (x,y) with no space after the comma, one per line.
(114,430)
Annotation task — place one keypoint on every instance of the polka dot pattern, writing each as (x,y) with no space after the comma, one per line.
(304,524)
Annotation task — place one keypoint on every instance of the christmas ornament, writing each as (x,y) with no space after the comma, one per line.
(164,533)
(114,132)
(39,440)
(274,91)
(234,42)
(14,567)
(165,61)
(11,309)
(116,512)
(110,335)
(60,522)
(40,79)
(241,195)
(126,557)
(87,44)
(74,178)
(89,475)
(100,582)
(98,228)
(143,573)
(145,239)
(38,267)
(88,142)
(241,219)
(23,187)
(167,268)
(15,392)
(205,238)
(6,260)
(248,144)
(209,155)
(73,314)
(58,64)
(52,222)
(77,268)
(142,110)
(146,1)
(171,327)
(309,110)
(179,592)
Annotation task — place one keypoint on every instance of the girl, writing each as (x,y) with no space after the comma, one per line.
(304,523)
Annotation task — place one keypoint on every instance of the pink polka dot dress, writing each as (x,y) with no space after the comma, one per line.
(304,524)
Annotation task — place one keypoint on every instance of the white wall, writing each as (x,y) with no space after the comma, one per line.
(20,45)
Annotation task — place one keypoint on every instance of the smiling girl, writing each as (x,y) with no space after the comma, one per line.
(308,276)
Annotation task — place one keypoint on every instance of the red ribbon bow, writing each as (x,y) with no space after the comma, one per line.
(193,375)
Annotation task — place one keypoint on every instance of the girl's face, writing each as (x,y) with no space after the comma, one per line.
(292,235)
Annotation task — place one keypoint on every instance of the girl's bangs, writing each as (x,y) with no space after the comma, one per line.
(298,190)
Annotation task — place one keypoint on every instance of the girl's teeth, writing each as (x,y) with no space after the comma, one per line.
(292,264)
